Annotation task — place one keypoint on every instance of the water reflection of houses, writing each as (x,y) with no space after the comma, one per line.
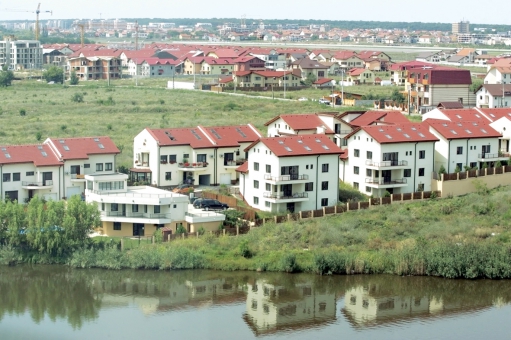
(369,305)
(152,297)
(272,308)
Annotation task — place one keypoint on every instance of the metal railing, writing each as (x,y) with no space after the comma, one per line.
(237,162)
(492,155)
(385,181)
(38,184)
(343,132)
(135,214)
(285,196)
(386,163)
(286,178)
(192,165)
(131,195)
(205,214)
(77,176)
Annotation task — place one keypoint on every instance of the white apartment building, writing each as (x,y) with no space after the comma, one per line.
(201,155)
(464,144)
(389,158)
(494,95)
(21,54)
(294,173)
(141,210)
(498,75)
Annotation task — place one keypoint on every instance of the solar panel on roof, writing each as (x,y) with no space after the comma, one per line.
(213,131)
(44,154)
(444,124)
(307,148)
(398,129)
(7,155)
(414,128)
(459,124)
(474,123)
(196,135)
(61,141)
(325,147)
(318,141)
(40,147)
(468,131)
(66,147)
(281,142)
(96,139)
(388,136)
(422,135)
(454,132)
(288,148)
(238,130)
(4,149)
(300,141)
(406,135)
(484,131)
(101,146)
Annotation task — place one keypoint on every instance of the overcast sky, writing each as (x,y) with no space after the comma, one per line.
(366,10)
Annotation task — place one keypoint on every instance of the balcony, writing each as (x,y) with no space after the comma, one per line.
(286,178)
(234,164)
(343,132)
(37,185)
(194,167)
(135,217)
(77,178)
(493,156)
(386,164)
(286,197)
(204,217)
(386,182)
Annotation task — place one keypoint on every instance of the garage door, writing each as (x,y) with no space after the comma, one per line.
(225,179)
(71,191)
(204,179)
(50,197)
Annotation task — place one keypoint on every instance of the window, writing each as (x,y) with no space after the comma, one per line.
(172,159)
(6,178)
(99,166)
(324,202)
(134,208)
(256,184)
(16,177)
(369,172)
(422,154)
(356,170)
(407,173)
(202,158)
(268,168)
(156,209)
(86,166)
(256,166)
(29,173)
(324,185)
(114,207)
(473,165)
(368,189)
(355,185)
(309,186)
(163,159)
(268,187)
(168,176)
(459,150)
(324,167)
(267,204)
(459,166)
(421,171)
(186,155)
(357,152)
(369,155)
(108,166)
(256,200)
(117,225)
(420,187)
(11,195)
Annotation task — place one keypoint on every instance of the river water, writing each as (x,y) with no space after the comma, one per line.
(56,302)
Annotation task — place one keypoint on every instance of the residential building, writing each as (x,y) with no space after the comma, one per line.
(81,156)
(359,76)
(499,74)
(151,67)
(217,66)
(461,27)
(399,71)
(389,158)
(309,67)
(30,170)
(493,95)
(141,210)
(200,155)
(249,63)
(267,78)
(21,54)
(93,65)
(293,173)
(464,144)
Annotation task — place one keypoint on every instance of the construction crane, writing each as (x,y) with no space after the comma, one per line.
(37,12)
(136,35)
(82,32)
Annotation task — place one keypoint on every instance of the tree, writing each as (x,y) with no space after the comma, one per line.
(475,84)
(397,97)
(311,78)
(73,80)
(55,74)
(6,77)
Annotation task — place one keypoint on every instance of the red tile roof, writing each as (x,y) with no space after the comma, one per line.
(496,114)
(16,154)
(302,145)
(97,53)
(370,117)
(82,148)
(206,137)
(399,133)
(301,122)
(356,71)
(470,115)
(322,81)
(243,168)
(462,130)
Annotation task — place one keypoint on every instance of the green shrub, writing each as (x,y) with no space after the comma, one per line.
(244,250)
(288,263)
(23,112)
(180,230)
(77,98)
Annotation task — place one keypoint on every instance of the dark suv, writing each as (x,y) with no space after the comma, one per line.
(209,204)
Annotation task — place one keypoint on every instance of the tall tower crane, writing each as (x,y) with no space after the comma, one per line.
(37,12)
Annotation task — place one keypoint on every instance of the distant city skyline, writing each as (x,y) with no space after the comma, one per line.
(368,10)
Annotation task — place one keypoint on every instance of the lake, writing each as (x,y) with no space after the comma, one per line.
(56,302)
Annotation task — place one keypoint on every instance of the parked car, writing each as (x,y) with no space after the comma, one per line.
(324,101)
(183,188)
(209,204)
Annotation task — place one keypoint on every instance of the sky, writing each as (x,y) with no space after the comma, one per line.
(365,10)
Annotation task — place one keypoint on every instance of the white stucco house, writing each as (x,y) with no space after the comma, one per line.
(141,210)
(389,158)
(201,155)
(493,95)
(294,173)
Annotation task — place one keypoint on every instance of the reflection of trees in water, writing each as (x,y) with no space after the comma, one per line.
(51,291)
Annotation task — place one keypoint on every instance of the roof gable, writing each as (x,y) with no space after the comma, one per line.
(303,145)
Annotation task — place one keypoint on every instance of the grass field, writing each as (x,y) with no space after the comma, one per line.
(123,110)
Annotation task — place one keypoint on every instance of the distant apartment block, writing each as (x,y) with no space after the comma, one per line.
(21,54)
(461,27)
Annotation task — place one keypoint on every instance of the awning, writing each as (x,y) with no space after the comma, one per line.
(140,170)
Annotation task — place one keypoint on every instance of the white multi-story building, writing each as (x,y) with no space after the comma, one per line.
(201,155)
(464,144)
(294,173)
(21,54)
(389,158)
(29,170)
(494,95)
(141,210)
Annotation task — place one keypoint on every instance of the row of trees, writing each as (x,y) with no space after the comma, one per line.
(56,228)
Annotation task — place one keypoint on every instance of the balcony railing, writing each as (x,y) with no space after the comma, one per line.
(385,181)
(284,196)
(193,165)
(237,162)
(130,194)
(343,132)
(205,214)
(77,176)
(135,214)
(286,178)
(492,155)
(386,163)
(37,184)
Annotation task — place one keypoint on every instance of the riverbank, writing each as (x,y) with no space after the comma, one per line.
(460,237)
